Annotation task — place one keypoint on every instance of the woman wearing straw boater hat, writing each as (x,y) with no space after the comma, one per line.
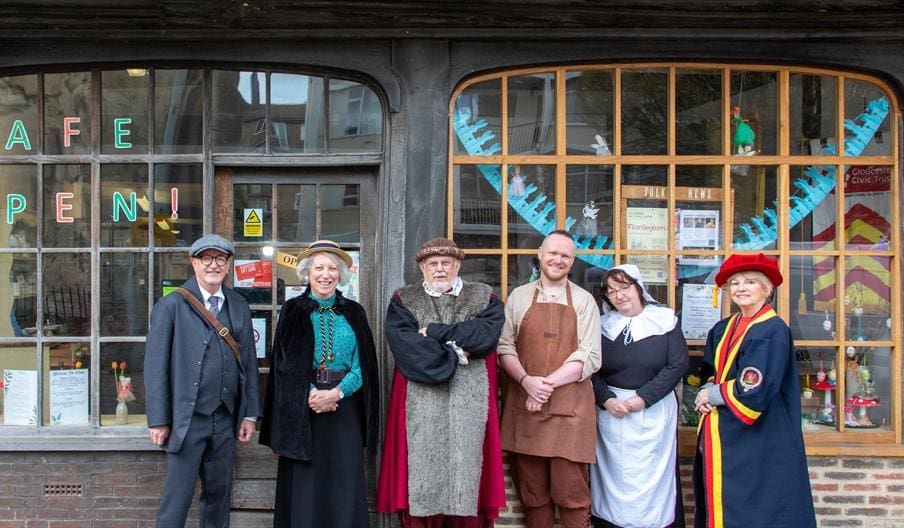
(322,403)
(750,467)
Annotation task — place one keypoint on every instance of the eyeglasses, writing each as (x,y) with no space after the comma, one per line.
(207,260)
(445,264)
(623,291)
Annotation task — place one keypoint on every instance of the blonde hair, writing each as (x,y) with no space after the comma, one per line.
(758,276)
(303,270)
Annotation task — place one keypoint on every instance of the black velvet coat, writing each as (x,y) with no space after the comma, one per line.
(286,426)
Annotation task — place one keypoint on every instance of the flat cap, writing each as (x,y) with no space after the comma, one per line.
(211,241)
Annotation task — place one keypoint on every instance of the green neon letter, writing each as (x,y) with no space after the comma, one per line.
(18,134)
(119,132)
(15,203)
(129,209)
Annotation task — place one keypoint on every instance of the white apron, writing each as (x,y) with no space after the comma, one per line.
(633,481)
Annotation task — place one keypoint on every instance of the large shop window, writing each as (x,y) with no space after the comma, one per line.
(105,180)
(675,167)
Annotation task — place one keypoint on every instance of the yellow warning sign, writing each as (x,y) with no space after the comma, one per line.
(254,226)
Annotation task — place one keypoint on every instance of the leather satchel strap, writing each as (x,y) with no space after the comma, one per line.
(221,330)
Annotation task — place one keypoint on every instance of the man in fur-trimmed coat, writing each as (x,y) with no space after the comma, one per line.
(442,460)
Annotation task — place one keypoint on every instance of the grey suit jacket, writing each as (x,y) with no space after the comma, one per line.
(176,342)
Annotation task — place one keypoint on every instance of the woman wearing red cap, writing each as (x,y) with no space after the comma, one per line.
(750,467)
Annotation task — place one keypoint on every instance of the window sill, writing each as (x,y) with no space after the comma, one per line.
(107,438)
(829,443)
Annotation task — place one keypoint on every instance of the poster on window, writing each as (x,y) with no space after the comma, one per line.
(20,397)
(698,230)
(253,274)
(698,314)
(259,330)
(69,397)
(352,288)
(648,228)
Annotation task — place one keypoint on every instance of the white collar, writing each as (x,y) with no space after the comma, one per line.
(653,320)
(454,291)
(206,296)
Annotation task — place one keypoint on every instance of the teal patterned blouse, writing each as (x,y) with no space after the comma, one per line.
(345,346)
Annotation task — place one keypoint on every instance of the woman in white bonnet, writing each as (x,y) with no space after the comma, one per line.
(634,482)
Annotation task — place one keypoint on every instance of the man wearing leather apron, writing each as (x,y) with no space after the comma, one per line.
(549,347)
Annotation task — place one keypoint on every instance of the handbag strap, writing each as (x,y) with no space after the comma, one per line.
(221,330)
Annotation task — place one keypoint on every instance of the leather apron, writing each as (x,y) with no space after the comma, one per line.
(566,425)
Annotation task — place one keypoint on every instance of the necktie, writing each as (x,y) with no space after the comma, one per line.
(214,305)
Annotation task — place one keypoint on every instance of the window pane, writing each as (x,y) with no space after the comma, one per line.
(124,294)
(124,103)
(19,114)
(170,271)
(867,129)
(813,114)
(18,206)
(698,102)
(125,384)
(522,269)
(67,293)
(478,119)
(19,397)
(645,104)
(252,212)
(588,197)
(657,175)
(818,382)
(252,275)
(754,119)
(756,222)
(477,211)
(239,111)
(532,114)
(178,207)
(533,214)
(868,207)
(694,298)
(288,285)
(812,284)
(18,294)
(867,384)
(66,384)
(179,109)
(867,298)
(699,214)
(483,268)
(340,213)
(589,112)
(356,118)
(296,213)
(124,209)
(67,206)
(812,207)
(296,113)
(67,113)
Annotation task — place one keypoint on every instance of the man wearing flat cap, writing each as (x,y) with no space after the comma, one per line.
(442,460)
(201,386)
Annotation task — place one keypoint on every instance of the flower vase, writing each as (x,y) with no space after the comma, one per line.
(122,413)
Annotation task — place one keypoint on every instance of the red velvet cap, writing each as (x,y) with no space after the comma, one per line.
(759,262)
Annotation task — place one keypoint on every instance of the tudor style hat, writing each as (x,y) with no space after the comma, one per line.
(768,266)
(326,246)
(439,247)
(211,241)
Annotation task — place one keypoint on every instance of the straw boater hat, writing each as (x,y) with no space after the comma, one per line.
(325,246)
(768,266)
(439,247)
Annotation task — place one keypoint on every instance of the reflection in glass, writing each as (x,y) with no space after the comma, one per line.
(125,207)
(756,220)
(818,382)
(533,214)
(589,112)
(18,294)
(698,101)
(754,113)
(296,113)
(112,393)
(178,210)
(356,118)
(124,107)
(522,269)
(239,111)
(19,114)
(867,128)
(296,213)
(477,215)
(812,114)
(124,294)
(179,108)
(483,268)
(812,287)
(67,113)
(19,399)
(66,366)
(867,387)
(701,176)
(67,293)
(646,175)
(252,275)
(867,294)
(532,114)
(252,208)
(170,271)
(18,206)
(868,207)
(340,213)
(645,104)
(588,197)
(478,118)
(67,206)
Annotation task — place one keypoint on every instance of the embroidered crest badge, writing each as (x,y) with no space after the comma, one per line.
(751,378)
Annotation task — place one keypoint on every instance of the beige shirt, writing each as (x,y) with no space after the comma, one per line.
(588,314)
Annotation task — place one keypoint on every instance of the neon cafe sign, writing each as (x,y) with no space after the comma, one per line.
(17,203)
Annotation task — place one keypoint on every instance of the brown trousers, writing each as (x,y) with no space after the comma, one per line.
(544,483)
